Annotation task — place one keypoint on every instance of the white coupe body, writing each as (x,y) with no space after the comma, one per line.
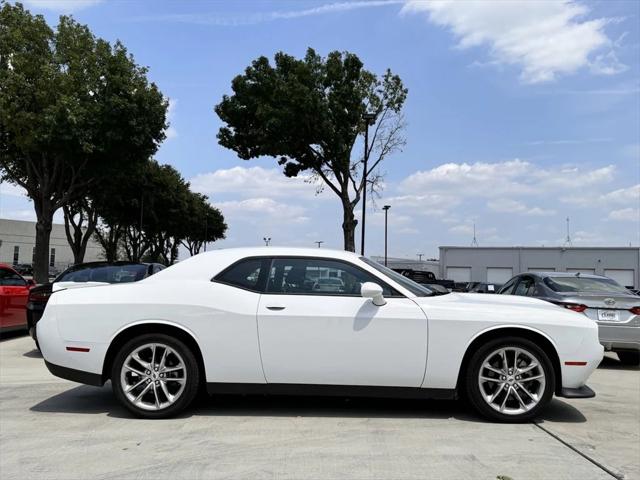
(318,338)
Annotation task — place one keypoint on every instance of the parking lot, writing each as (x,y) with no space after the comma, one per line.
(51,428)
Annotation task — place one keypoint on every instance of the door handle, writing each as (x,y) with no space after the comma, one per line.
(275,307)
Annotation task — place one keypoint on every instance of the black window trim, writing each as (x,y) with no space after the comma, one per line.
(261,286)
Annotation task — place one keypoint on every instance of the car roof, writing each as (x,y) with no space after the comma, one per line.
(285,251)
(560,274)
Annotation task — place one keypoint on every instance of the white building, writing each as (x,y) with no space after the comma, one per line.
(499,264)
(18,240)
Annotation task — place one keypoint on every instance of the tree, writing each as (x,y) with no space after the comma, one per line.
(73,109)
(308,114)
(80,221)
(205,224)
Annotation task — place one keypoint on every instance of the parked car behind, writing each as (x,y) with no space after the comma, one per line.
(85,275)
(23,269)
(481,287)
(14,291)
(614,307)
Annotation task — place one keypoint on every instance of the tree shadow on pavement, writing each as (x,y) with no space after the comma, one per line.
(93,400)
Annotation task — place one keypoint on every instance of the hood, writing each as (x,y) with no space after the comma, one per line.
(486,301)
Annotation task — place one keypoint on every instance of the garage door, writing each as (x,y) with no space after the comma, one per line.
(459,274)
(589,271)
(499,275)
(623,277)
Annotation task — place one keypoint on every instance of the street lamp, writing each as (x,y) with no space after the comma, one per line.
(420,256)
(386,212)
(319,242)
(267,240)
(369,119)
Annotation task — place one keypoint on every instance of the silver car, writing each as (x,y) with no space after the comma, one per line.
(616,309)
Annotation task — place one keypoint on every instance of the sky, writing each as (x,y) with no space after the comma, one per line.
(519,115)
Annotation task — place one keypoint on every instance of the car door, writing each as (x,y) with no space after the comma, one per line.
(14,292)
(325,333)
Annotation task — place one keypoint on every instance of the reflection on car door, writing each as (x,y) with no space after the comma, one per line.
(13,299)
(337,338)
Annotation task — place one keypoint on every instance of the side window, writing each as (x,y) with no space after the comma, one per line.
(525,287)
(508,288)
(244,274)
(310,276)
(10,279)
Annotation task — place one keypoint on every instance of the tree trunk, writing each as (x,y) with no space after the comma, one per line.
(79,237)
(43,235)
(109,239)
(349,223)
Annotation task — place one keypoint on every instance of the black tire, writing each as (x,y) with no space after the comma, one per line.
(629,358)
(192,374)
(472,389)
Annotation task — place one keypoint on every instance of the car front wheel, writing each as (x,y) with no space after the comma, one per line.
(155,376)
(510,380)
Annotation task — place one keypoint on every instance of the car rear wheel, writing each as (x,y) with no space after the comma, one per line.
(510,380)
(155,376)
(629,358)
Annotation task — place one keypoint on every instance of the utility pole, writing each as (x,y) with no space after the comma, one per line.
(386,212)
(319,242)
(369,119)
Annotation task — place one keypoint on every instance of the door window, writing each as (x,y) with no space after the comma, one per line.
(11,279)
(245,274)
(508,287)
(312,276)
(525,287)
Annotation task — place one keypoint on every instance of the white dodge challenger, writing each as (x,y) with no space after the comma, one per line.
(313,321)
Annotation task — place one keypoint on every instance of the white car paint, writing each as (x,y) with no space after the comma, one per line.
(336,340)
(64,285)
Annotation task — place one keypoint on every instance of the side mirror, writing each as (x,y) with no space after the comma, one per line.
(30,283)
(374,292)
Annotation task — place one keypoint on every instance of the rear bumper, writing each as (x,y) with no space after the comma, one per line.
(580,392)
(619,337)
(74,375)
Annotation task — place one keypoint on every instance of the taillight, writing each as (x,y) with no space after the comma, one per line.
(635,310)
(576,307)
(39,296)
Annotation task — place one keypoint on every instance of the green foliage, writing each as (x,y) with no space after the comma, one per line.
(308,114)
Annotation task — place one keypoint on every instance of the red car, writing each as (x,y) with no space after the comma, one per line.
(14,291)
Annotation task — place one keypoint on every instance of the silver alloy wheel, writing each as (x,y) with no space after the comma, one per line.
(153,376)
(511,380)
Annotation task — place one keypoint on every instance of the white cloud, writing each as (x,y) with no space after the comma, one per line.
(12,190)
(254,182)
(456,181)
(625,215)
(262,207)
(508,205)
(224,20)
(622,196)
(64,6)
(544,38)
(171,131)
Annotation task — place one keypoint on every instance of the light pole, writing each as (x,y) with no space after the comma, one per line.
(267,240)
(319,242)
(420,256)
(369,119)
(386,212)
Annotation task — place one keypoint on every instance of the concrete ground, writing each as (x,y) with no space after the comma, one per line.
(54,429)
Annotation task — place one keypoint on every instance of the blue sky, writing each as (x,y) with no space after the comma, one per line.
(519,114)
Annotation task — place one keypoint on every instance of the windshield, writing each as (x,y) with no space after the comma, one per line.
(585,284)
(105,274)
(415,288)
